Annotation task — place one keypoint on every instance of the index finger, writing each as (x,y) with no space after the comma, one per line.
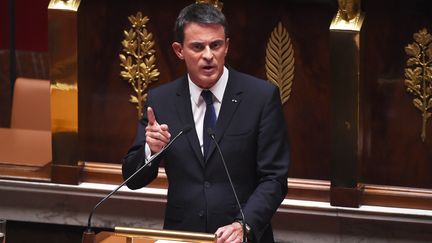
(150,116)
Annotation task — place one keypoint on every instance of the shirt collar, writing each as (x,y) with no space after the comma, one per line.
(218,89)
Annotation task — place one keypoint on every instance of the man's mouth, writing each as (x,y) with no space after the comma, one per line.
(208,68)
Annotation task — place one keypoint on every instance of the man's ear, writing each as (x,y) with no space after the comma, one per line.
(178,49)
(227,45)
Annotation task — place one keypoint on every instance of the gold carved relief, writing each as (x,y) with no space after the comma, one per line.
(280,61)
(138,60)
(418,75)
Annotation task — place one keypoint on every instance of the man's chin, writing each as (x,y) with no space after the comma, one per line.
(209,76)
(207,82)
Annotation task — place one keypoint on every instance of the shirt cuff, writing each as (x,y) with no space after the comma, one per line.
(147,151)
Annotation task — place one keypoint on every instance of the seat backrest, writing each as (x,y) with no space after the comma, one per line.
(31,104)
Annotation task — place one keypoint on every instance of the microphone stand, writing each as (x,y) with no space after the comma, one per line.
(211,134)
(88,234)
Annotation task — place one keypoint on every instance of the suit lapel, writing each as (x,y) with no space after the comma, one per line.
(183,106)
(231,100)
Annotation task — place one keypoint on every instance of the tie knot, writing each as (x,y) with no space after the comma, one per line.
(208,96)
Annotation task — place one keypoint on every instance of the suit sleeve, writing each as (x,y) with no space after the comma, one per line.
(272,167)
(135,158)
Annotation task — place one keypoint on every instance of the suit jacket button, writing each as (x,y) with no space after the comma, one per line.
(201,213)
(207,184)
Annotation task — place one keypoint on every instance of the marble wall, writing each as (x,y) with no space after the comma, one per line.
(46,208)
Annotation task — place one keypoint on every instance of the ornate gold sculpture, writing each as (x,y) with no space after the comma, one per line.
(64,4)
(138,60)
(280,61)
(349,9)
(349,16)
(215,3)
(418,74)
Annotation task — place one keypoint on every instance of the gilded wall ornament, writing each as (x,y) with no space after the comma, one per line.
(215,3)
(280,61)
(71,5)
(418,75)
(348,16)
(349,9)
(138,60)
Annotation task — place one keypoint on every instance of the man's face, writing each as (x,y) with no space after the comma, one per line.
(204,49)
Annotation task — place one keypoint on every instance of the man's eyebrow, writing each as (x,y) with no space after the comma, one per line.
(196,42)
(203,42)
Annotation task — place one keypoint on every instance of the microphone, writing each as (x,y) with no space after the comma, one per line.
(211,133)
(148,161)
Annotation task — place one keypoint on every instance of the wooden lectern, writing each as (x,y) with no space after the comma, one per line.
(140,235)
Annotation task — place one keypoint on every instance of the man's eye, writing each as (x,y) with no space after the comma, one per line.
(215,45)
(197,47)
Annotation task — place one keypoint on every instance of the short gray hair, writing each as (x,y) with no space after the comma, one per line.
(198,13)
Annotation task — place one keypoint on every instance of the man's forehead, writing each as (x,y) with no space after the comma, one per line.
(201,28)
(206,41)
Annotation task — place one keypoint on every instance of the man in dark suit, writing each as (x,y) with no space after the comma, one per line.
(246,116)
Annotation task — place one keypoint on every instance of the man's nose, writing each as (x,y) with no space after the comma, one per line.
(207,53)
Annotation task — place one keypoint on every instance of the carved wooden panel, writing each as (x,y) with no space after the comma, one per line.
(107,120)
(393,152)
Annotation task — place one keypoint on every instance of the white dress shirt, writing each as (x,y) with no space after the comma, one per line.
(198,105)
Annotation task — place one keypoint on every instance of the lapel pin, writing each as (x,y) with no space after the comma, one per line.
(234,101)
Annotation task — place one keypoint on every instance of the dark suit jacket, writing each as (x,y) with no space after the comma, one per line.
(252,135)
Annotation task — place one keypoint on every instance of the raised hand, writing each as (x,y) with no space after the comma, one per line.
(157,135)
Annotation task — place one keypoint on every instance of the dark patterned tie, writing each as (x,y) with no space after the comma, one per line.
(209,119)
